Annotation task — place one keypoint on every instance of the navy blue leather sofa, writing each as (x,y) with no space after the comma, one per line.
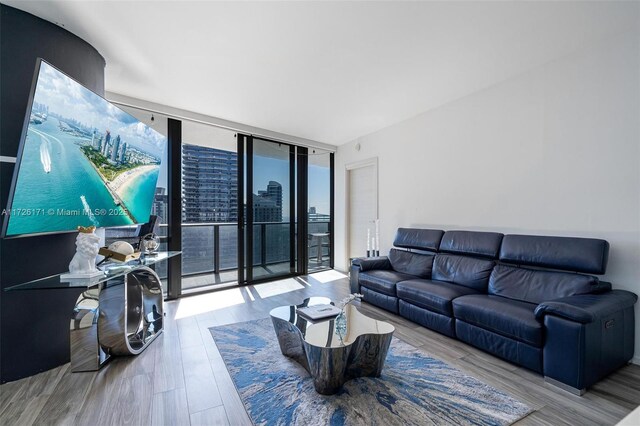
(532,300)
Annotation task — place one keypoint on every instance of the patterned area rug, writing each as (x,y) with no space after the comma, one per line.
(414,389)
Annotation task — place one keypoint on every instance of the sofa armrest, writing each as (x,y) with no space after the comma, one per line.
(587,337)
(587,308)
(370,263)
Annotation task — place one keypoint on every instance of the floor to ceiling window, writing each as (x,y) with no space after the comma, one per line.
(209,206)
(251,209)
(319,209)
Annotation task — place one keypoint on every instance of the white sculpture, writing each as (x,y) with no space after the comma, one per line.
(121,247)
(83,264)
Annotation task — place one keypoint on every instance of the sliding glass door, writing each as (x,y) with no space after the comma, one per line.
(285,220)
(270,211)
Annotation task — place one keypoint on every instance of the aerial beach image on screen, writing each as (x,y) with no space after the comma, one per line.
(84,161)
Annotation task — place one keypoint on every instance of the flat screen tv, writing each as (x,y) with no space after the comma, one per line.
(81,161)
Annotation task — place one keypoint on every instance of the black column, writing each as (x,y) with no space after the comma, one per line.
(292,212)
(34,324)
(303,216)
(174,272)
(241,209)
(332,220)
(249,224)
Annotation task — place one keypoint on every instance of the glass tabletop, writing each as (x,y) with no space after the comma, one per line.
(333,332)
(110,271)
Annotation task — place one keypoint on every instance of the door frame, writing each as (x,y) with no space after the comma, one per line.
(348,168)
(246,219)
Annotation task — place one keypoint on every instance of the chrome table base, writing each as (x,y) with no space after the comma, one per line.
(333,351)
(121,316)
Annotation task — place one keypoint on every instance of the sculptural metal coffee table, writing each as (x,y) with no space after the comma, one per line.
(334,350)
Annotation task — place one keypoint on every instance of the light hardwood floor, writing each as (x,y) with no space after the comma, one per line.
(181,378)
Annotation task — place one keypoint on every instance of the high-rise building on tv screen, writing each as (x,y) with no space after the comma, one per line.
(82,161)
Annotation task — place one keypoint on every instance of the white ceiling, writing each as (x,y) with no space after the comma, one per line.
(327,71)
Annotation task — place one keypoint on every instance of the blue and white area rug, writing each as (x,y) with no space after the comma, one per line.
(414,389)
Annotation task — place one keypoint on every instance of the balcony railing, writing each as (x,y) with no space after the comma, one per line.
(212,247)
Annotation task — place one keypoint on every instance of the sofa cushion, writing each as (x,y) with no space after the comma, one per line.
(433,295)
(466,271)
(444,324)
(384,301)
(510,318)
(419,239)
(383,281)
(410,263)
(587,255)
(512,350)
(535,286)
(486,244)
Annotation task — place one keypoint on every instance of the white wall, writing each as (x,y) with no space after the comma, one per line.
(555,151)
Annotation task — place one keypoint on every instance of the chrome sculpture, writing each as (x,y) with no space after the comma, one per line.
(333,351)
(121,316)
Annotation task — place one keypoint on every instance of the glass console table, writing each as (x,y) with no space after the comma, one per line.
(118,313)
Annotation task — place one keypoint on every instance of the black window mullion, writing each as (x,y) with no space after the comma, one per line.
(174,266)
(292,211)
(331,208)
(303,217)
(240,194)
(249,226)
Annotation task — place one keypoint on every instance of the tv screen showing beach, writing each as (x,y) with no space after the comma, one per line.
(84,161)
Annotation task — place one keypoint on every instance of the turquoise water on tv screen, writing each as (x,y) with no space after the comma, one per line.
(53,201)
(84,162)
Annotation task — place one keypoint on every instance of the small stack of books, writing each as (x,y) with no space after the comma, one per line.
(316,312)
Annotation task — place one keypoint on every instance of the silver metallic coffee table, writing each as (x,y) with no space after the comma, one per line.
(334,350)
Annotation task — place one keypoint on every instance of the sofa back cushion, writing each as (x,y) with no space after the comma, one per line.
(588,255)
(419,239)
(407,262)
(466,271)
(535,286)
(485,244)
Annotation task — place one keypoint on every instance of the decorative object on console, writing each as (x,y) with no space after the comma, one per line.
(121,247)
(151,227)
(83,264)
(149,244)
(119,251)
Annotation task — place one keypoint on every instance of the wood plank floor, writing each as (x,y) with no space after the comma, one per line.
(181,378)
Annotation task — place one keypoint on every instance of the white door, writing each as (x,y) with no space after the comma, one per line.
(363,205)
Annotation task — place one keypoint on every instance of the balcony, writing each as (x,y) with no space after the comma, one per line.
(209,250)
